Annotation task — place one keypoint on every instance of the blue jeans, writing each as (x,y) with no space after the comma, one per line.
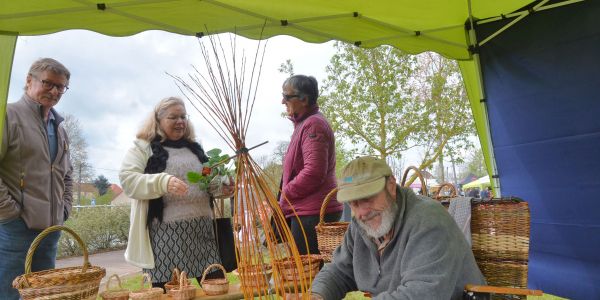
(15,239)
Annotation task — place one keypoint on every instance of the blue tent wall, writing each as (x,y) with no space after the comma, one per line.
(542,82)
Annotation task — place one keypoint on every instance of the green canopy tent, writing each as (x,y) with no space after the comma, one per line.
(443,26)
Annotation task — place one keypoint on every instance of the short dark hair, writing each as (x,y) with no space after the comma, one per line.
(304,86)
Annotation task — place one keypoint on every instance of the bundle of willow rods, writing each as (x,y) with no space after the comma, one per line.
(224,93)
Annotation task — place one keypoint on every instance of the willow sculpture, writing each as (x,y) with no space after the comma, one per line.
(223,91)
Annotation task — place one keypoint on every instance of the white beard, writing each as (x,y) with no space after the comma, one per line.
(387,221)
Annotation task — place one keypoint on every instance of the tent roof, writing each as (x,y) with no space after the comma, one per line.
(480,183)
(413,26)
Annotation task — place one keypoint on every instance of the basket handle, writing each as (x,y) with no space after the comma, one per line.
(446,184)
(110,280)
(210,267)
(419,174)
(146,278)
(175,275)
(36,242)
(324,205)
(183,280)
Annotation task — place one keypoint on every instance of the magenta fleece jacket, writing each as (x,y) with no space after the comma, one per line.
(309,166)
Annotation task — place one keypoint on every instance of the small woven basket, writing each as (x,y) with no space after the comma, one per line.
(311,264)
(217,286)
(150,293)
(118,293)
(420,175)
(185,291)
(174,281)
(73,283)
(440,197)
(329,235)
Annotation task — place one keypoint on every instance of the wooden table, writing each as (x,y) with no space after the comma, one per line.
(234,293)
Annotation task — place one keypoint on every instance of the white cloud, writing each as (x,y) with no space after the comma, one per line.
(116,81)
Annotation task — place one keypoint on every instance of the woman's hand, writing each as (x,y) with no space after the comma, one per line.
(177,186)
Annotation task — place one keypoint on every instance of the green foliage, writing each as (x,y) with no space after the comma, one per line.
(105,199)
(100,227)
(102,184)
(383,102)
(216,165)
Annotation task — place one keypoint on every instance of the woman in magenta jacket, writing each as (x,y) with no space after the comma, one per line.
(309,163)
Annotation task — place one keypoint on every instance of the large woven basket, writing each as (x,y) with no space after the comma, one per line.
(500,240)
(216,286)
(118,293)
(73,283)
(438,195)
(329,235)
(419,175)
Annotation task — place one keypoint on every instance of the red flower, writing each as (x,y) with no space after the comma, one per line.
(206,171)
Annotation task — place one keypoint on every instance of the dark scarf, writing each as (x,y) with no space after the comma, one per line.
(157,163)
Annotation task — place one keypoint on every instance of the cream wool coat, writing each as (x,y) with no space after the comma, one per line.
(141,188)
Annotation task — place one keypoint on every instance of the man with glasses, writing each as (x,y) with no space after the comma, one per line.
(398,246)
(35,173)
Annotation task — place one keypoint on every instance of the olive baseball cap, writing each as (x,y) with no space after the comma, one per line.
(362,178)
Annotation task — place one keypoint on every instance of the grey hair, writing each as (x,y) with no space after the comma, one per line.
(48,64)
(151,126)
(304,86)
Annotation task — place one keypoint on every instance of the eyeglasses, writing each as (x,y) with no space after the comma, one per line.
(47,85)
(176,118)
(289,97)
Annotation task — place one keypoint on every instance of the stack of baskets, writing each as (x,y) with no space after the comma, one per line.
(76,283)
(174,280)
(329,235)
(500,240)
(216,286)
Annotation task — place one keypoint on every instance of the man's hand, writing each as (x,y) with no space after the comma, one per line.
(177,186)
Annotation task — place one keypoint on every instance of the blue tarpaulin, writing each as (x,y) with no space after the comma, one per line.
(542,80)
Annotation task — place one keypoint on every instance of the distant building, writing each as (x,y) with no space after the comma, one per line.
(87,190)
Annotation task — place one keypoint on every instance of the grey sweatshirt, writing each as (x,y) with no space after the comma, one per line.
(427,258)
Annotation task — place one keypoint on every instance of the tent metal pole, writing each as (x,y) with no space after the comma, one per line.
(8,41)
(519,13)
(492,167)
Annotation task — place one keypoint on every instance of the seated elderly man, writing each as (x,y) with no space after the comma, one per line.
(398,246)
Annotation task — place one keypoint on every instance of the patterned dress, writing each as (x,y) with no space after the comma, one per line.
(185,239)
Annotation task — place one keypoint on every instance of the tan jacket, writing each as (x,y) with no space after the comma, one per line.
(31,186)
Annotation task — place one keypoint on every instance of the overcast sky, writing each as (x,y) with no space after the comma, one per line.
(115,83)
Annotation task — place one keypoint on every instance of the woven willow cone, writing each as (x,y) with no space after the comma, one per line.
(223,92)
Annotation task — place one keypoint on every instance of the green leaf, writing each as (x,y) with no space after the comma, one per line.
(194,177)
(213,152)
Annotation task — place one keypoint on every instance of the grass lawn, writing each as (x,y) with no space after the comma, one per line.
(133,283)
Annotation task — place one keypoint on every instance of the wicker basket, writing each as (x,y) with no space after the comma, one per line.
(217,286)
(419,174)
(174,281)
(150,293)
(311,264)
(73,283)
(450,186)
(329,235)
(255,276)
(185,291)
(115,294)
(500,240)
